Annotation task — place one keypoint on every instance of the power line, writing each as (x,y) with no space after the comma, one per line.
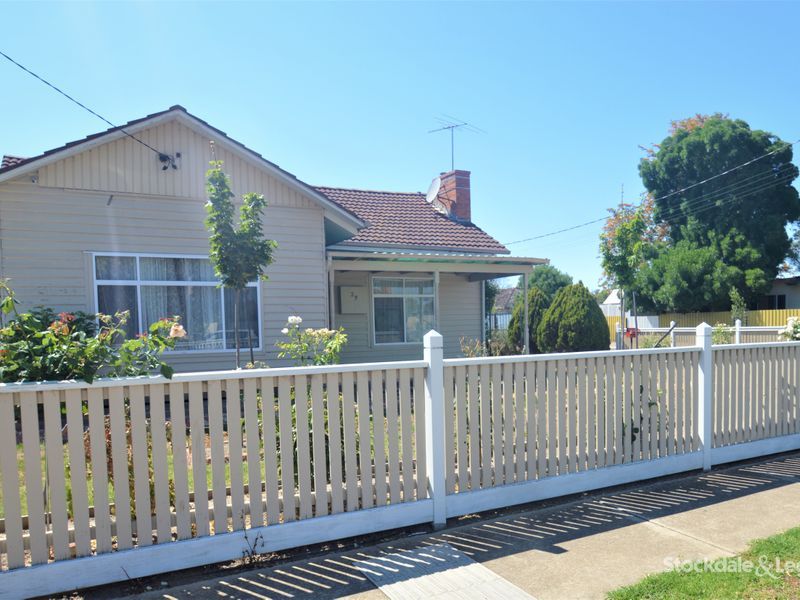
(741,192)
(680,191)
(86,108)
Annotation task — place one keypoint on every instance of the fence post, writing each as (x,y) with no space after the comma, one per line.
(738,332)
(672,334)
(705,392)
(434,425)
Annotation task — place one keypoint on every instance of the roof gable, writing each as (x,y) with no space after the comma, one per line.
(406,220)
(114,162)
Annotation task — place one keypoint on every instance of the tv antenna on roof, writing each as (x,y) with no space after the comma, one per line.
(450,124)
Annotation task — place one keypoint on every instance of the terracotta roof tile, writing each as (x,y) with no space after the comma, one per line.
(10,161)
(406,220)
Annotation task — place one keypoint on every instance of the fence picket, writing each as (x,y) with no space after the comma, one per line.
(97,441)
(335,442)
(419,430)
(217,443)
(562,409)
(406,435)
(393,433)
(233,417)
(253,444)
(379,433)
(508,423)
(532,426)
(350,455)
(302,407)
(269,433)
(15,548)
(364,445)
(180,471)
(541,414)
(77,473)
(450,414)
(610,397)
(197,428)
(287,448)
(474,429)
(56,482)
(582,410)
(158,422)
(653,364)
(497,427)
(485,425)
(519,421)
(141,472)
(461,433)
(119,462)
(318,447)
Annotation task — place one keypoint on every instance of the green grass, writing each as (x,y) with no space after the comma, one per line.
(757,583)
(90,487)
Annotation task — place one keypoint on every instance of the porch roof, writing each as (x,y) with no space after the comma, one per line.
(477,266)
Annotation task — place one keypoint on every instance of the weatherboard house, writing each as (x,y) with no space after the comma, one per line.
(116,221)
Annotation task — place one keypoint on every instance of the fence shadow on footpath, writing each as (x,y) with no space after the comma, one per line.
(543,529)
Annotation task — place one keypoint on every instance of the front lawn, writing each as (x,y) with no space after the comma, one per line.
(774,573)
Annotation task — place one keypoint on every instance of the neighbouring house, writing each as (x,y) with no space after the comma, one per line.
(116,221)
(785,293)
(502,309)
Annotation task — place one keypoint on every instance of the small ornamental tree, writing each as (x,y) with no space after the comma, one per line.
(538,303)
(573,323)
(239,255)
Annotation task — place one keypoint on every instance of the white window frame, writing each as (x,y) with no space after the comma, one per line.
(431,277)
(138,283)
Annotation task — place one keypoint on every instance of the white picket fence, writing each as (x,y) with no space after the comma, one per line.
(686,336)
(217,464)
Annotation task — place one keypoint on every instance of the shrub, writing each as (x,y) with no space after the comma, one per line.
(31,349)
(573,323)
(311,346)
(472,348)
(791,332)
(538,303)
(721,334)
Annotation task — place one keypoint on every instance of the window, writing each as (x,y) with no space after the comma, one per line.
(403,309)
(772,302)
(154,287)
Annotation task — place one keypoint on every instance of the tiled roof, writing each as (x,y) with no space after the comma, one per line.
(504,300)
(10,161)
(406,220)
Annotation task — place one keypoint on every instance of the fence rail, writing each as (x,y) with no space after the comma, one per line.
(755,318)
(132,477)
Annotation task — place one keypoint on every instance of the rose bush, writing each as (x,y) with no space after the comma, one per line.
(311,346)
(33,349)
(792,330)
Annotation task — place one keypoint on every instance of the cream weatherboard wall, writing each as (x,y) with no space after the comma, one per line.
(49,229)
(459,308)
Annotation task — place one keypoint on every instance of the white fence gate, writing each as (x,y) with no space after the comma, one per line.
(212,465)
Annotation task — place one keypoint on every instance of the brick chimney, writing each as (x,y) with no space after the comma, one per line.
(454,195)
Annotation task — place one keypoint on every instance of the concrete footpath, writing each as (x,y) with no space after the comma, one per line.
(580,549)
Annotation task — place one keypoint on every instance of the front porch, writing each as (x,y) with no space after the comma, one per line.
(387,301)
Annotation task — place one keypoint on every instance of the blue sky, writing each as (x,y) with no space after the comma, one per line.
(343,94)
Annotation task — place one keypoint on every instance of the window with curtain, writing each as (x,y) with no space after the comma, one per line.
(152,288)
(403,309)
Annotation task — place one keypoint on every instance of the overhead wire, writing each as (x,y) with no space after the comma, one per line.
(84,107)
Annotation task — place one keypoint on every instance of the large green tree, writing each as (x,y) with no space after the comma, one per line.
(239,254)
(719,225)
(548,279)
